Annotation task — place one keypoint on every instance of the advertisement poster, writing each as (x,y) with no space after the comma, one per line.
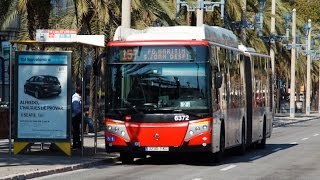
(43,97)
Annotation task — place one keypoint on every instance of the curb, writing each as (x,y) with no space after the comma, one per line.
(73,167)
(293,121)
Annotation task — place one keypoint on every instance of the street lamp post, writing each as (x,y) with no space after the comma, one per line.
(201,6)
(126,13)
(272,48)
(293,65)
(200,13)
(272,38)
(308,89)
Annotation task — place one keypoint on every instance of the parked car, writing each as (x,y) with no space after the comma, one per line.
(42,86)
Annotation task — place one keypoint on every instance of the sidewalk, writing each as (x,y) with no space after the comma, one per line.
(39,162)
(283,119)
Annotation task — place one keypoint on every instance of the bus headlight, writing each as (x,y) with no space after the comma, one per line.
(118,128)
(191,132)
(197,127)
(204,127)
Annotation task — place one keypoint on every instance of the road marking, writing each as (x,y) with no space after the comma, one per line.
(303,139)
(293,143)
(227,168)
(256,157)
(316,134)
(197,179)
(276,149)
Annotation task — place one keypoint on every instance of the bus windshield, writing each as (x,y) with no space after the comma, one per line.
(159,87)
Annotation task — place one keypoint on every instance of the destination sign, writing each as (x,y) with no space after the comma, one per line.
(156,53)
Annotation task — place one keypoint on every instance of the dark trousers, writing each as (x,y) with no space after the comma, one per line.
(76,121)
(88,121)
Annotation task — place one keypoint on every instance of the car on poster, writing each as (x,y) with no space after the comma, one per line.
(41,86)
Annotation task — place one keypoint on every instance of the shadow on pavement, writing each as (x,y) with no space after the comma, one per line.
(197,159)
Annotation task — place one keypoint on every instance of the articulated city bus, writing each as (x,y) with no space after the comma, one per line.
(185,89)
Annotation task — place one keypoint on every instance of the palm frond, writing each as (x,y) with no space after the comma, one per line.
(11,15)
(22,6)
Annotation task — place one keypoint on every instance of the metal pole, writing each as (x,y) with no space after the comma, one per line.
(96,107)
(10,100)
(126,13)
(319,89)
(308,90)
(82,96)
(293,65)
(200,13)
(272,52)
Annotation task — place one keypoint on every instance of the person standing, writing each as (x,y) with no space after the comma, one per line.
(76,117)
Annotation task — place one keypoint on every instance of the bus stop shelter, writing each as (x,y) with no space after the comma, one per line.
(95,42)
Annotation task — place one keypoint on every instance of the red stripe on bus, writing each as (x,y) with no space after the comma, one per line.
(159,43)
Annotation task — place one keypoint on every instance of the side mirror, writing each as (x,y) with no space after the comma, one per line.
(218,80)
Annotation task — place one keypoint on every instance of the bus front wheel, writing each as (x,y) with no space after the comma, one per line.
(219,155)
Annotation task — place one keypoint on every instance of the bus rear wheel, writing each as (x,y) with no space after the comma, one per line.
(126,158)
(243,146)
(262,143)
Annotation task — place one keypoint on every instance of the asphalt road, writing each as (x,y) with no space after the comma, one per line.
(293,152)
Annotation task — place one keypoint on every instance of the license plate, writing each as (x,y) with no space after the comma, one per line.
(157,148)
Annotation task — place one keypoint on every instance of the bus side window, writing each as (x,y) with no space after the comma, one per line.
(214,60)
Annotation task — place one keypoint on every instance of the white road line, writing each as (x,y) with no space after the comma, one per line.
(276,149)
(294,143)
(316,134)
(303,139)
(197,179)
(256,157)
(227,168)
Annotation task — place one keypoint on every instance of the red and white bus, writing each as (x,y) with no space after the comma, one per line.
(185,89)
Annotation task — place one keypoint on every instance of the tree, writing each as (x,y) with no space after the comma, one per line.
(308,9)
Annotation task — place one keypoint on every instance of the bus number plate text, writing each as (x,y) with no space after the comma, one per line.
(181,117)
(157,148)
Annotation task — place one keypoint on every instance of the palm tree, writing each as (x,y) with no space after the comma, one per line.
(37,14)
(4,9)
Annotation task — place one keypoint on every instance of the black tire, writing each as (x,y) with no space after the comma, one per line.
(126,158)
(37,94)
(262,143)
(243,147)
(219,155)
